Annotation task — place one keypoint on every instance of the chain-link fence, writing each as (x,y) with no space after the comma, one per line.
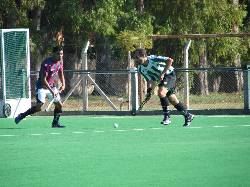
(209,89)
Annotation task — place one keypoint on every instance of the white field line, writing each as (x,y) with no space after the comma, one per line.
(221,126)
(138,129)
(195,127)
(110,117)
(156,128)
(97,131)
(120,130)
(55,133)
(7,135)
(227,116)
(78,132)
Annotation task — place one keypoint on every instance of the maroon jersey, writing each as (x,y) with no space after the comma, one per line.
(50,69)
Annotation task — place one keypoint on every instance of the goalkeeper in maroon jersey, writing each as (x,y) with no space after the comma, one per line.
(51,68)
(159,69)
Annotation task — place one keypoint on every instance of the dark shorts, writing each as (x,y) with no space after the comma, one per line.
(169,82)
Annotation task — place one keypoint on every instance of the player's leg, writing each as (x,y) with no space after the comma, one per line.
(40,100)
(165,105)
(57,112)
(181,108)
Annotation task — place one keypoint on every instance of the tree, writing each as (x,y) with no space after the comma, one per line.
(208,16)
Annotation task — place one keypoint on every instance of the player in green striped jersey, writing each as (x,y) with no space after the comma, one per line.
(159,69)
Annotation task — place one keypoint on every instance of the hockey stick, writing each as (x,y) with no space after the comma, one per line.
(147,98)
(51,102)
(49,105)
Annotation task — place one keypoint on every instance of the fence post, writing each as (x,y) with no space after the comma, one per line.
(186,82)
(134,90)
(129,81)
(247,88)
(84,57)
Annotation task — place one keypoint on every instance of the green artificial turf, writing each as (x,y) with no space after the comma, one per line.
(140,152)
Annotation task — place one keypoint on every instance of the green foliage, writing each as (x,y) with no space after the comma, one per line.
(130,40)
(103,18)
(134,29)
(120,21)
(193,16)
(31,4)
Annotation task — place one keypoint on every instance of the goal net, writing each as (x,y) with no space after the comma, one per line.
(15,94)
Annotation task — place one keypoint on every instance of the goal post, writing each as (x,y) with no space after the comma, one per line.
(15,92)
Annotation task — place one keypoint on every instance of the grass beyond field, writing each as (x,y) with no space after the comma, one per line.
(214,151)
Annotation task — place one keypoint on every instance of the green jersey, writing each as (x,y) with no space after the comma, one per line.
(155,67)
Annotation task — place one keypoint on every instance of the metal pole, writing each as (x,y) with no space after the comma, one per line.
(134,90)
(3,66)
(84,80)
(186,82)
(129,81)
(247,88)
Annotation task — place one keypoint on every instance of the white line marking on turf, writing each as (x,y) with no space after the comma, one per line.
(7,135)
(78,132)
(98,131)
(219,126)
(36,134)
(111,117)
(120,130)
(195,127)
(156,128)
(227,116)
(55,133)
(245,125)
(138,129)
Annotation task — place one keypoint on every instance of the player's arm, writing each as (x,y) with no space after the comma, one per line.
(45,83)
(62,79)
(169,63)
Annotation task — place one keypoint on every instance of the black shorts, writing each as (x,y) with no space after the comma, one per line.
(169,82)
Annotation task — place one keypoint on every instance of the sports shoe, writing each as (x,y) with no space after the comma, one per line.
(18,118)
(166,120)
(188,118)
(57,125)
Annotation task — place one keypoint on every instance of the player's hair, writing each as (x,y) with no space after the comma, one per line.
(57,49)
(140,52)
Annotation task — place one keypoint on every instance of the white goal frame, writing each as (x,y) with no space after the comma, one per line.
(16,105)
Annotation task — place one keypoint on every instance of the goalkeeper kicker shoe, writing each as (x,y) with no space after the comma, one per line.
(188,119)
(166,120)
